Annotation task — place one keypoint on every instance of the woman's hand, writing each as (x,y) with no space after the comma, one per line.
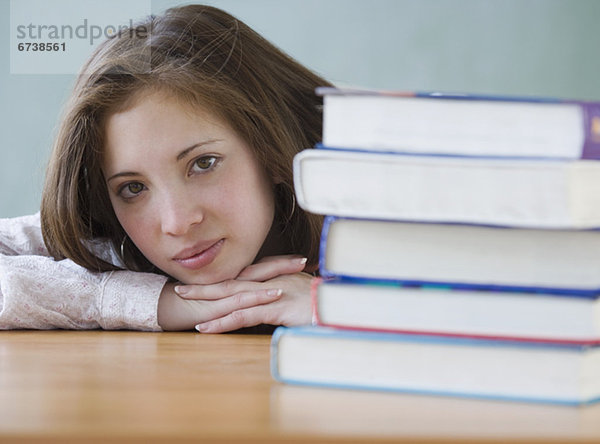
(180,310)
(272,291)
(271,267)
(291,308)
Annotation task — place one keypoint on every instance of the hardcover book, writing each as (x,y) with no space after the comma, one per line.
(462,256)
(460,124)
(513,192)
(467,367)
(374,306)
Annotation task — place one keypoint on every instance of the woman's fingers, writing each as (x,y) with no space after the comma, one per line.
(219,300)
(235,320)
(271,267)
(293,307)
(212,292)
(246,300)
(249,279)
(240,302)
(282,299)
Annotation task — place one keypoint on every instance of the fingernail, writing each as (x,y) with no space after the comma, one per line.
(274,293)
(302,261)
(201,328)
(181,290)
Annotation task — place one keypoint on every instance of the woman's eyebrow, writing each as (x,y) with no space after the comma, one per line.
(187,151)
(122,174)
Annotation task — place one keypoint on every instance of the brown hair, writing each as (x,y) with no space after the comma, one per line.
(207,58)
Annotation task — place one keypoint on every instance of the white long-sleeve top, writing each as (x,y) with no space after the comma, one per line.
(37,292)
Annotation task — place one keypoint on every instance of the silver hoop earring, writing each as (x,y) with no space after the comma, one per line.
(123,249)
(293,208)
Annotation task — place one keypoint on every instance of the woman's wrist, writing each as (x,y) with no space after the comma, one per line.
(174,313)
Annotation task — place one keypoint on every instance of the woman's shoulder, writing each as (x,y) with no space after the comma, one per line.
(21,221)
(22,235)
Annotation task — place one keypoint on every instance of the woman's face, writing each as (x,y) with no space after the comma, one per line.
(187,190)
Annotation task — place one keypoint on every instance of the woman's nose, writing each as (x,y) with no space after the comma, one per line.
(178,213)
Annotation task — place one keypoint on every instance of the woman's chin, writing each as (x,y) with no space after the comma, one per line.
(205,278)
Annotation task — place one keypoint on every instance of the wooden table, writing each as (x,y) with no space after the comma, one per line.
(63,386)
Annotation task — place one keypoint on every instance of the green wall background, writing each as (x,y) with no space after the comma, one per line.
(516,47)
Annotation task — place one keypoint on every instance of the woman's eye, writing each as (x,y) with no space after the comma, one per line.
(204,163)
(131,190)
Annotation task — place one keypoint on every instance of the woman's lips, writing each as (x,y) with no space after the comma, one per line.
(194,261)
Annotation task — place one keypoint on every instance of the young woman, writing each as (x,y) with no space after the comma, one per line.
(174,161)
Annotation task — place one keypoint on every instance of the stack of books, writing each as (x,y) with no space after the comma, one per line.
(460,252)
